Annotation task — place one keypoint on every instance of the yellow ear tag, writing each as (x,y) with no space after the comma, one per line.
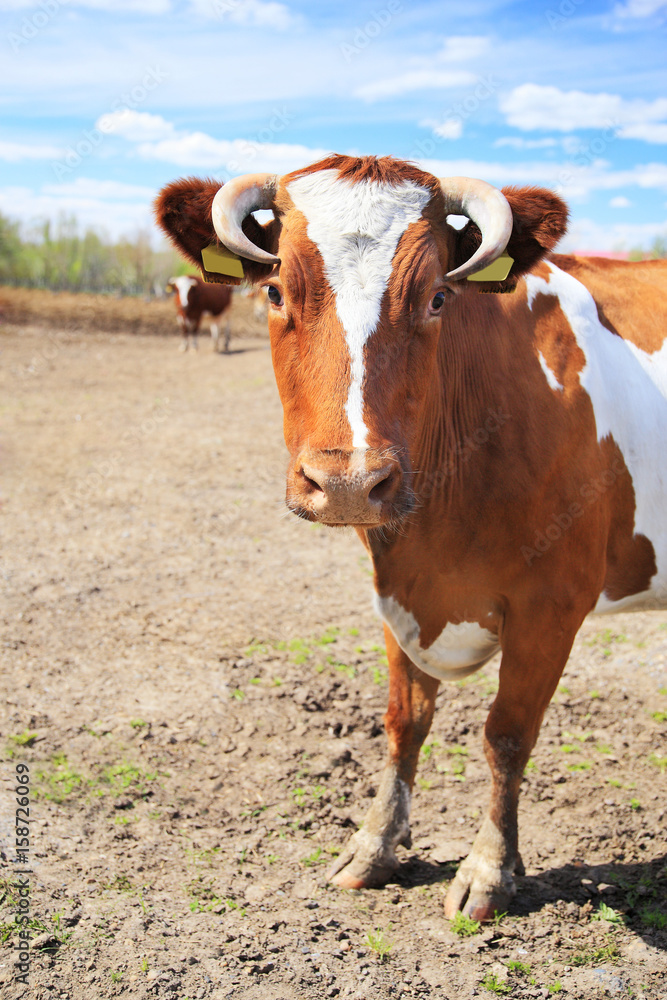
(220,260)
(497,270)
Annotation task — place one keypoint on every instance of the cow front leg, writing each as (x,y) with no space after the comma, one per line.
(370,857)
(192,326)
(183,346)
(484,883)
(215,336)
(228,334)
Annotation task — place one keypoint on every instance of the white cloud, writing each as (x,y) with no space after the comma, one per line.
(88,187)
(452,128)
(116,6)
(585,234)
(128,6)
(463,48)
(573,183)
(429,73)
(582,233)
(247,13)
(655,132)
(233,156)
(116,217)
(155,138)
(136,126)
(533,107)
(16,152)
(620,201)
(639,8)
(419,79)
(496,172)
(516,142)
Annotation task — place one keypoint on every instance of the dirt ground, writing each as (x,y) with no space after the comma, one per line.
(196,683)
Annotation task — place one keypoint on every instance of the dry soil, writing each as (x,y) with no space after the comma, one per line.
(196,683)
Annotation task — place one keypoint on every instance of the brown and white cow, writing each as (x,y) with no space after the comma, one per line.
(501,456)
(194,298)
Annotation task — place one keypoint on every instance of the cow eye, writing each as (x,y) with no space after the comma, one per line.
(436,303)
(274,295)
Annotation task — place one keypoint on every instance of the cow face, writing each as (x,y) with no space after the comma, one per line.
(354,320)
(359,265)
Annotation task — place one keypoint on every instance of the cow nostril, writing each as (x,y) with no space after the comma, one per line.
(381,490)
(311,484)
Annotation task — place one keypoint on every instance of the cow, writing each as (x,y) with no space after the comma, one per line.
(495,443)
(195,297)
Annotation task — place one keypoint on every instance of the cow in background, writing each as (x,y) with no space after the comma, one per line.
(195,297)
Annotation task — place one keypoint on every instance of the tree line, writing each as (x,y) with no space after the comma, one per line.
(61,257)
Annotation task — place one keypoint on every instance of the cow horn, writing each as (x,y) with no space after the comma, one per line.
(233,203)
(489,209)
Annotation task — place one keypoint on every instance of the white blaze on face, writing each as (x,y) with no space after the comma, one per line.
(356,227)
(183,286)
(627,388)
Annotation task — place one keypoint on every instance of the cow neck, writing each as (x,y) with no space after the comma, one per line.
(465,406)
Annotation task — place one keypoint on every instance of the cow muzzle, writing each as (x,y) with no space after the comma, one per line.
(363,488)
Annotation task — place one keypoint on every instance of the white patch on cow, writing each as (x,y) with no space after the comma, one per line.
(183,286)
(549,375)
(356,227)
(459,649)
(628,391)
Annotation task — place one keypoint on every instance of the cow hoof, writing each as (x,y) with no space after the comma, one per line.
(366,863)
(480,891)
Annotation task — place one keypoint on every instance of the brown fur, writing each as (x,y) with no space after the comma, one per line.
(540,221)
(480,455)
(183,211)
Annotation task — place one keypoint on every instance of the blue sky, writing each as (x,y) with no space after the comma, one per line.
(103,101)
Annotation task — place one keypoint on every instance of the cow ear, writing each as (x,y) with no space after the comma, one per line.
(540,221)
(183,212)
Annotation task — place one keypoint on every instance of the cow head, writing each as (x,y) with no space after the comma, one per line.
(359,262)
